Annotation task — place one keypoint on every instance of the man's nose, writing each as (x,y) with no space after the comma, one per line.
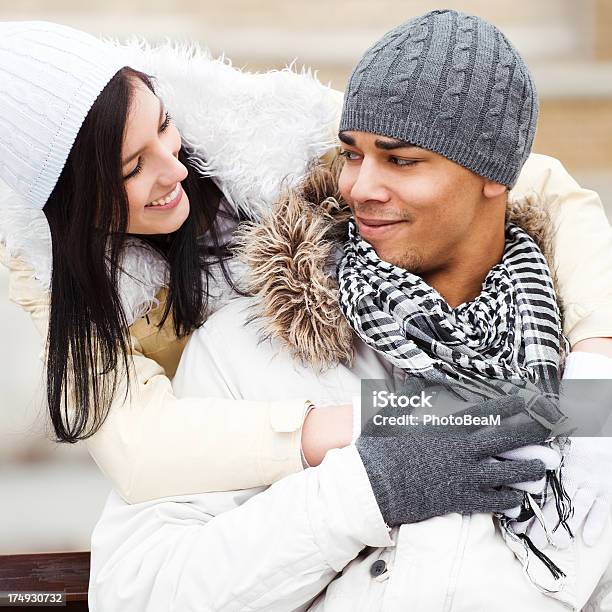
(369,185)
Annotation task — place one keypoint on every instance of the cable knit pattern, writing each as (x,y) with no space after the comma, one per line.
(499,94)
(461,71)
(415,52)
(458,88)
(526,117)
(357,76)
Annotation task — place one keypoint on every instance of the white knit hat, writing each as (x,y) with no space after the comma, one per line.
(50,75)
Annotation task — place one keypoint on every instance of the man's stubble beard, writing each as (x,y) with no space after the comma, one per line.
(409,260)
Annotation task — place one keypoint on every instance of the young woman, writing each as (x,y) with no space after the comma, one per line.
(136,223)
(117,246)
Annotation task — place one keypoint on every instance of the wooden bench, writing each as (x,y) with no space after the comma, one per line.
(47,572)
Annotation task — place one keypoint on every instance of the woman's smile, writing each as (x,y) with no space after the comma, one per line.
(172,200)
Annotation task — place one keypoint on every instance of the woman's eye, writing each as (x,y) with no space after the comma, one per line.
(398,161)
(135,171)
(349,155)
(166,123)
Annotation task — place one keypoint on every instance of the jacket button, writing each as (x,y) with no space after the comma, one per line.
(377,568)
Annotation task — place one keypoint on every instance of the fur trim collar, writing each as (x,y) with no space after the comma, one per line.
(291,255)
(251,132)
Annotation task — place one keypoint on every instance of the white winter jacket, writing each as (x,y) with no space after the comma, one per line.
(282,548)
(277,549)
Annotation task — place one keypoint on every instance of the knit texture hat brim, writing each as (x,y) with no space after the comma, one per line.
(419,135)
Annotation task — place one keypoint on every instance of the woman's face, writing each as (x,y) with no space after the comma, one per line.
(151,169)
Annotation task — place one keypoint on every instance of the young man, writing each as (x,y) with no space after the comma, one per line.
(439,117)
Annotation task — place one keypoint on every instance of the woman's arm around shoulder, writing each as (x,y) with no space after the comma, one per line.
(582,245)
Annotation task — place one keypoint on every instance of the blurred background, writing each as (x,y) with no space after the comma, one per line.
(52,494)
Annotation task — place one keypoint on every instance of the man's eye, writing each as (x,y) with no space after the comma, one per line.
(398,161)
(349,155)
(135,171)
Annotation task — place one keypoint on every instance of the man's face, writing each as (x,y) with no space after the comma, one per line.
(416,208)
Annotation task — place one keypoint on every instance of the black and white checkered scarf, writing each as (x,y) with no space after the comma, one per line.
(509,336)
(511,331)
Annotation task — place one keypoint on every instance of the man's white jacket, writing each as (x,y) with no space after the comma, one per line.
(316,539)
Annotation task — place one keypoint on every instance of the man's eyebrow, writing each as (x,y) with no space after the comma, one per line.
(386,145)
(162,112)
(394,143)
(346,139)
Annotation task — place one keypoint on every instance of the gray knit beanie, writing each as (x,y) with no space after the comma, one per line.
(450,83)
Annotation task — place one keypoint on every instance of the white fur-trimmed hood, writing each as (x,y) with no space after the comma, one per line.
(251,132)
(254,131)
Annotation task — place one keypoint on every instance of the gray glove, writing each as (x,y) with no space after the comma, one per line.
(425,472)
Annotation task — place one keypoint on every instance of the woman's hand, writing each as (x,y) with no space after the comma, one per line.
(325,428)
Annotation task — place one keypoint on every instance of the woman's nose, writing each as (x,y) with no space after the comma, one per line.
(172,170)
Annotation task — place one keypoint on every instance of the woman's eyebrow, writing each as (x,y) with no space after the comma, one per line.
(133,156)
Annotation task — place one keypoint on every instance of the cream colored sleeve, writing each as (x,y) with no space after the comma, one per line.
(155,445)
(582,244)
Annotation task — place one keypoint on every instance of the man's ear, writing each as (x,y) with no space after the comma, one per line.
(492,189)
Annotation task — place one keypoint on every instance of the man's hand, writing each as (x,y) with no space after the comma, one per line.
(422,472)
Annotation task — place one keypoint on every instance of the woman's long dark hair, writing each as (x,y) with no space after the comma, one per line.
(88,344)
